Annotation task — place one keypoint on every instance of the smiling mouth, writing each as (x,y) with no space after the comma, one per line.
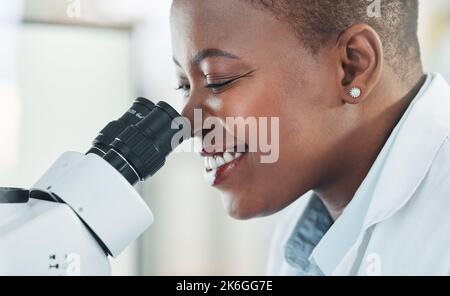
(218,160)
(220,165)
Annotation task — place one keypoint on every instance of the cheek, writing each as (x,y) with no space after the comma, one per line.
(254,98)
(292,100)
(299,104)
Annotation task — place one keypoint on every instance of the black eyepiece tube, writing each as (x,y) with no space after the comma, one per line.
(141,150)
(138,111)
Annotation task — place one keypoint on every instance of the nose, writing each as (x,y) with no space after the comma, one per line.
(189,112)
(196,112)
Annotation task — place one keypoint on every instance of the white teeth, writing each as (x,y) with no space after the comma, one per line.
(220,161)
(213,162)
(228,157)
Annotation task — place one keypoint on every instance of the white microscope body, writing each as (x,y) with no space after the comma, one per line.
(100,214)
(85,208)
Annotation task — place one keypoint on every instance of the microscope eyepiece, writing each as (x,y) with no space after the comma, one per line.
(140,151)
(138,111)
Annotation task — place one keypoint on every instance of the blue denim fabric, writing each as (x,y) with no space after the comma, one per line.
(310,229)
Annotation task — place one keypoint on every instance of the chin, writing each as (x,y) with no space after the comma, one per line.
(244,207)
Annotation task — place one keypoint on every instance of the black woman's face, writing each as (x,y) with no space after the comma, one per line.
(234,60)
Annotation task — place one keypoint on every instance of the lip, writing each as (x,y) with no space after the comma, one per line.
(218,176)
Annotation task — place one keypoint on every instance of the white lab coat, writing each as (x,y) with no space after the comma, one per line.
(398,223)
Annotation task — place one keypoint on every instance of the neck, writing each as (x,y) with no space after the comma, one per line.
(362,152)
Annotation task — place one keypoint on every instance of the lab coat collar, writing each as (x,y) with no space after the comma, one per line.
(419,140)
(396,174)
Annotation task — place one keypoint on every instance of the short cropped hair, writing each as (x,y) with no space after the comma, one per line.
(317,21)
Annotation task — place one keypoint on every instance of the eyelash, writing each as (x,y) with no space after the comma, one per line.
(215,87)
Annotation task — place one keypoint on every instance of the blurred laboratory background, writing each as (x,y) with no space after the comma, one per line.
(67,67)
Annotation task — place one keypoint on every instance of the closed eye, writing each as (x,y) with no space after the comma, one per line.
(217,87)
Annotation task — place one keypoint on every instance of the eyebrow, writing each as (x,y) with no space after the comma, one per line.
(208,53)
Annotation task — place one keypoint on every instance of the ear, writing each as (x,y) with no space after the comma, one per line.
(360,62)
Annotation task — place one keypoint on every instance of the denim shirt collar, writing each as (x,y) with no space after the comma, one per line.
(308,232)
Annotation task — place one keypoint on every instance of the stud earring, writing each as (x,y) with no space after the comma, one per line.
(355,92)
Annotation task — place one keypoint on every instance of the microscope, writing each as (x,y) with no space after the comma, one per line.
(85,207)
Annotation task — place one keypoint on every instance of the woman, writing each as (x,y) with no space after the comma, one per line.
(362,130)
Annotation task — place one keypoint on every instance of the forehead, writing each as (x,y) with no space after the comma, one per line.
(234,26)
